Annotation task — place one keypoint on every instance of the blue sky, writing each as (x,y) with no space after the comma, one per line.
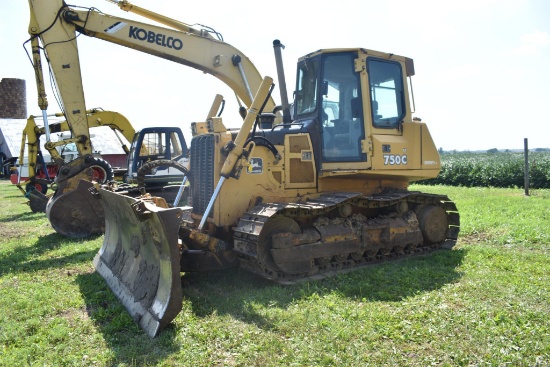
(482,66)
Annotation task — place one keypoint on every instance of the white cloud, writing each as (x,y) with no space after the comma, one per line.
(533,43)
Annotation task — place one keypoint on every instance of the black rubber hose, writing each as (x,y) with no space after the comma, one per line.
(149,166)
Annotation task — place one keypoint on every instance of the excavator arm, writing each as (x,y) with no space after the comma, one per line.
(95,118)
(58,41)
(35,187)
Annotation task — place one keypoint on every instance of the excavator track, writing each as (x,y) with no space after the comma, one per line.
(290,243)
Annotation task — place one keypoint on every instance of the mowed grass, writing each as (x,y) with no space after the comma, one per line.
(484,303)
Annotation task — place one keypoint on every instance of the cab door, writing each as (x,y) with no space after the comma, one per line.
(396,144)
(341,113)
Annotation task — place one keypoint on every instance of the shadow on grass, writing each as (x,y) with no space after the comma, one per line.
(22,217)
(21,259)
(129,344)
(232,291)
(20,196)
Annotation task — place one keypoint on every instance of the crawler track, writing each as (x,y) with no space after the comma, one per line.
(373,210)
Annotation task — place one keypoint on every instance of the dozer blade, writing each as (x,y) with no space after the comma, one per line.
(76,213)
(140,259)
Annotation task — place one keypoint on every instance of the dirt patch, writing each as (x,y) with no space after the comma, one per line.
(476,238)
(10,230)
(75,317)
(71,272)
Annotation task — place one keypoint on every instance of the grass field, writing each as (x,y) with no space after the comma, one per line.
(484,303)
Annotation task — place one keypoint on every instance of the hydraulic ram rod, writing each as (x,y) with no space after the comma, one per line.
(238,145)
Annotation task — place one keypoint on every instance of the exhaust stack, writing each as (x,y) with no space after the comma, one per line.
(277,45)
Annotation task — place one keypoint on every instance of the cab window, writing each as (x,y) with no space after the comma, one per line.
(306,88)
(153,144)
(386,93)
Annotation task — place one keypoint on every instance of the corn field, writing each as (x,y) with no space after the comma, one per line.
(503,169)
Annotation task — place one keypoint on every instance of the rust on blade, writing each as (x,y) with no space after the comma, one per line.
(140,259)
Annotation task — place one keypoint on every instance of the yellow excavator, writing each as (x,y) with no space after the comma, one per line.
(53,31)
(40,176)
(301,191)
(156,158)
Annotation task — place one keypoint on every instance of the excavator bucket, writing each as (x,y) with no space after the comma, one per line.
(140,259)
(38,201)
(76,213)
(73,210)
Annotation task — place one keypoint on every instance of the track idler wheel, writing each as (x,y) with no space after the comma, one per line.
(433,223)
(274,225)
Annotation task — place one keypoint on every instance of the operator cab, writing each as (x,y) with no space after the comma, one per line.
(351,95)
(154,143)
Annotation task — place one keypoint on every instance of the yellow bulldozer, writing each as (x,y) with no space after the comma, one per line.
(300,191)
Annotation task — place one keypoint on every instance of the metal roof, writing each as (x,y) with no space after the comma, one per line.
(104,140)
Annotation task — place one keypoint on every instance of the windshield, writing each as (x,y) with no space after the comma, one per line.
(328,88)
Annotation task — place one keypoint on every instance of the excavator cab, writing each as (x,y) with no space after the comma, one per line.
(154,144)
(329,90)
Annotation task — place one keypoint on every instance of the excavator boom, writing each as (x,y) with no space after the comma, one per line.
(58,41)
(189,47)
(57,26)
